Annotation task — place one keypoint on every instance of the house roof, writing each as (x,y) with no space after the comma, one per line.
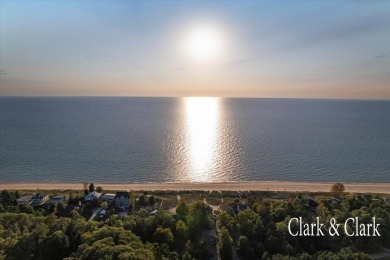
(109,195)
(25,198)
(57,197)
(122,194)
(39,195)
(94,193)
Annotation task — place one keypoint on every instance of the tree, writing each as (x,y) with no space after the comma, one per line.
(182,210)
(26,208)
(225,244)
(163,235)
(248,223)
(99,189)
(71,199)
(56,246)
(161,251)
(104,204)
(152,201)
(186,256)
(163,219)
(225,220)
(198,219)
(60,207)
(7,198)
(337,188)
(181,234)
(132,197)
(91,187)
(141,200)
(244,249)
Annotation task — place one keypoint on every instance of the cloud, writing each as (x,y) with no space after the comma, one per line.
(380,56)
(309,36)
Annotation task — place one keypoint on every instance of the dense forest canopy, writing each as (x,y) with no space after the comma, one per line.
(258,232)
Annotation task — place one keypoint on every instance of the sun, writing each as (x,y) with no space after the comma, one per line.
(204,44)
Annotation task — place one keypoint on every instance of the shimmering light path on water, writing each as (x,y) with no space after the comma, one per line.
(122,140)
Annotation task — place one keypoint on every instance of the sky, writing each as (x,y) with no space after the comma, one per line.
(271,49)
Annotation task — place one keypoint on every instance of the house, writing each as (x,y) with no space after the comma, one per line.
(39,199)
(24,199)
(57,199)
(336,199)
(103,213)
(109,197)
(312,201)
(122,199)
(92,195)
(154,212)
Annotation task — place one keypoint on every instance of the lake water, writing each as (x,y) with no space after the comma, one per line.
(123,140)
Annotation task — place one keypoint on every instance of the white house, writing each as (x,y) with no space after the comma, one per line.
(122,199)
(92,195)
(109,197)
(39,199)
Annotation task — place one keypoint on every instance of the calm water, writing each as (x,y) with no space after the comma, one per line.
(122,140)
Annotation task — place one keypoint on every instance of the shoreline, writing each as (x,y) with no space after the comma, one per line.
(287,186)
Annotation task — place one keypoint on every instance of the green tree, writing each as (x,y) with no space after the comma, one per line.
(186,256)
(161,251)
(152,201)
(181,234)
(337,188)
(104,204)
(198,218)
(182,210)
(142,200)
(7,198)
(248,223)
(225,220)
(26,208)
(225,244)
(245,250)
(85,188)
(132,197)
(56,246)
(91,187)
(163,235)
(163,219)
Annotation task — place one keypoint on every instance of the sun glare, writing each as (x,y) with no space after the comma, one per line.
(202,121)
(204,44)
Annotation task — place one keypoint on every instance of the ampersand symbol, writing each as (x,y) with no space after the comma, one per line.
(333,226)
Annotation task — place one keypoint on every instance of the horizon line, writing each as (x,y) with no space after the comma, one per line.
(199,96)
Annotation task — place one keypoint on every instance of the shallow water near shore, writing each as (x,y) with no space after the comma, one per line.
(123,140)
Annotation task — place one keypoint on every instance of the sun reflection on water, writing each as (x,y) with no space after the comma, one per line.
(202,136)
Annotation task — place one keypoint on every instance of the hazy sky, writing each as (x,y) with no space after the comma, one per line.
(303,49)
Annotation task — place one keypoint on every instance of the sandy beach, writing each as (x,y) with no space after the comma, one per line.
(232,186)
